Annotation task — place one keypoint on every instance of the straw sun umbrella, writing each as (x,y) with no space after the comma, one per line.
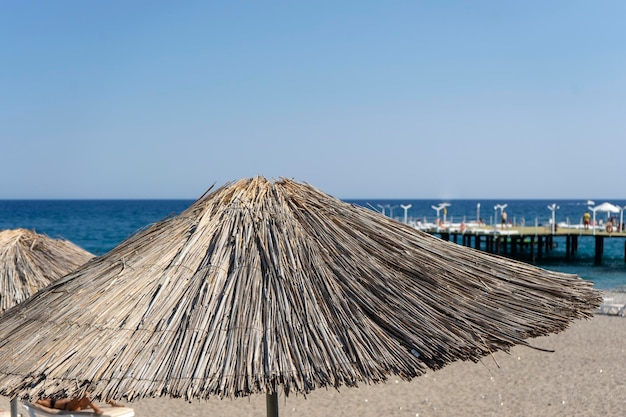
(267,287)
(30,261)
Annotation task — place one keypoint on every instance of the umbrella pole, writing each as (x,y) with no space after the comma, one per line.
(271,402)
(14,407)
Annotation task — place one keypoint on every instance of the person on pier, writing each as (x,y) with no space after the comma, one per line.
(586,219)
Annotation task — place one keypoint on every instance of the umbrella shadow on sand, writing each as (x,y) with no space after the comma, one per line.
(260,287)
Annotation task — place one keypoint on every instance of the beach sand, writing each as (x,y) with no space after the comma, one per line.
(584,376)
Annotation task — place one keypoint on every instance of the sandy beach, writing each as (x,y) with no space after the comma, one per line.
(584,376)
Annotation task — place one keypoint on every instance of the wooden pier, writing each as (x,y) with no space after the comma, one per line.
(528,243)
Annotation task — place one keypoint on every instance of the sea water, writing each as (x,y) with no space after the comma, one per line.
(95,225)
(100,225)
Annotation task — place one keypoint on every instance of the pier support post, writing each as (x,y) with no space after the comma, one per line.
(540,244)
(599,249)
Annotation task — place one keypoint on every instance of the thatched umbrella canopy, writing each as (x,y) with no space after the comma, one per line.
(30,261)
(263,286)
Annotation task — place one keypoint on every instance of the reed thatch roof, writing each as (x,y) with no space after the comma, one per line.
(30,261)
(266,286)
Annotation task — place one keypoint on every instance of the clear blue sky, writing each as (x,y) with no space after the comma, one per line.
(362,99)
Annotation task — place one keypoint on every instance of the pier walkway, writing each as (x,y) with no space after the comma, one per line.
(528,243)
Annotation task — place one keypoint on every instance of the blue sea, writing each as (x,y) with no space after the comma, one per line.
(100,225)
